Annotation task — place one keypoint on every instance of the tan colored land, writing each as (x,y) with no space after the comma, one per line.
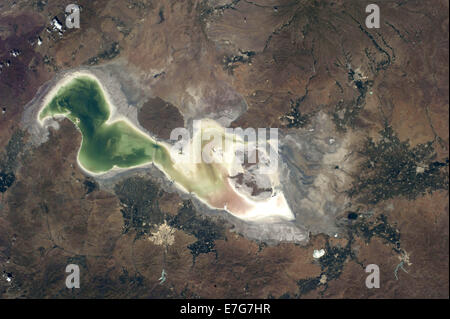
(303,50)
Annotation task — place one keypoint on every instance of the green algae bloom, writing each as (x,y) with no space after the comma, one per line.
(104,145)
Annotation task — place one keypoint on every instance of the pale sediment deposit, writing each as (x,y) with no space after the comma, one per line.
(112,142)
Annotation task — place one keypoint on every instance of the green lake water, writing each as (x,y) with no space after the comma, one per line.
(106,145)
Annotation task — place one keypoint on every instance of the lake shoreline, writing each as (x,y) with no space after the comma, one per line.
(116,115)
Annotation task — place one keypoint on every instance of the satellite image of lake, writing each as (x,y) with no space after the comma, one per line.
(201,151)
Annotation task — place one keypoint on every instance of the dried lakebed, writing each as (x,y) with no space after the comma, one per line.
(111,142)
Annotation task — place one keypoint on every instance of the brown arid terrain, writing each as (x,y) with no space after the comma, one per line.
(308,67)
